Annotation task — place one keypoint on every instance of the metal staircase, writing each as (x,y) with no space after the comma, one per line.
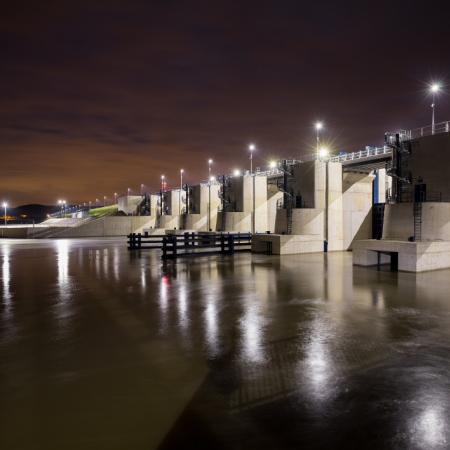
(397,168)
(224,187)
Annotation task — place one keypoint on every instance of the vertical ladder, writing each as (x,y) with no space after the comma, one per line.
(289,217)
(418,221)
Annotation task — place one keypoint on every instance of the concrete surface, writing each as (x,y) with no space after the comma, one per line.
(412,256)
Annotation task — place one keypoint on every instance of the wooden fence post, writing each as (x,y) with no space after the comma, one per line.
(164,247)
(139,241)
(231,244)
(174,246)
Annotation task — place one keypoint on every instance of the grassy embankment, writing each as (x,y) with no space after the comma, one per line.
(95,212)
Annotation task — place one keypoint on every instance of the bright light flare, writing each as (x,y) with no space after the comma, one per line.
(323,152)
(236,173)
(212,179)
(251,147)
(434,88)
(318,125)
(210,161)
(5,205)
(273,164)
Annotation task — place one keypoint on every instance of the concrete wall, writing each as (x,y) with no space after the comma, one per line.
(273,195)
(304,180)
(14,233)
(398,221)
(306,221)
(103,226)
(344,214)
(173,202)
(430,159)
(237,221)
(129,203)
(435,221)
(335,224)
(384,183)
(357,207)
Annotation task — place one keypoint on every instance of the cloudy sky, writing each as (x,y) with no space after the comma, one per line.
(97,97)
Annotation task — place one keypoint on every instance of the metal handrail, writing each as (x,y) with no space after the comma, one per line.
(442,127)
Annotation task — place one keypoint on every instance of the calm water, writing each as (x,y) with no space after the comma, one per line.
(100,349)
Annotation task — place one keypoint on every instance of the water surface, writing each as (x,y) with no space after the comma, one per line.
(103,349)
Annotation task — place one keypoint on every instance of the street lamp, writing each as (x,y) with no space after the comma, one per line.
(434,89)
(89,205)
(181,189)
(5,205)
(318,128)
(273,164)
(96,202)
(162,183)
(236,173)
(251,147)
(115,198)
(128,191)
(104,201)
(323,153)
(209,166)
(142,188)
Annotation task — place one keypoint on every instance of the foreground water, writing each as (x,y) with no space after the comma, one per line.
(100,349)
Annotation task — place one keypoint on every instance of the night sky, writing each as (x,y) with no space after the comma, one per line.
(98,97)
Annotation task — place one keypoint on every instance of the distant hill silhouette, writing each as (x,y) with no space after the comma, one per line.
(32,212)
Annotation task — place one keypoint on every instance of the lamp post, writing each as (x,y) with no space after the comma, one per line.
(104,201)
(209,166)
(434,89)
(318,128)
(115,198)
(128,191)
(181,188)
(251,147)
(89,205)
(96,202)
(5,205)
(142,189)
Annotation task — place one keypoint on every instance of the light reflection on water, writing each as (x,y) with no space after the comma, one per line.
(310,335)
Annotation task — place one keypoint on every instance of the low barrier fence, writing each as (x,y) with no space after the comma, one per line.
(192,244)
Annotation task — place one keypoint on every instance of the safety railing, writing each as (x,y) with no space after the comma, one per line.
(442,127)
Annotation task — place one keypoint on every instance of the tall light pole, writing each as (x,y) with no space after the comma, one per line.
(115,198)
(89,205)
(209,166)
(128,191)
(251,147)
(318,128)
(434,89)
(181,188)
(60,202)
(162,183)
(142,189)
(96,202)
(5,205)
(104,201)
